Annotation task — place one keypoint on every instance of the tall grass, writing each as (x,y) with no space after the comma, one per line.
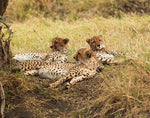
(125,93)
(129,34)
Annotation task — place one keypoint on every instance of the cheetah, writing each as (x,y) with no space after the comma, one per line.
(86,68)
(55,70)
(58,54)
(97,45)
(46,70)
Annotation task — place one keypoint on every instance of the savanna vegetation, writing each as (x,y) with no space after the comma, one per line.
(75,9)
(119,91)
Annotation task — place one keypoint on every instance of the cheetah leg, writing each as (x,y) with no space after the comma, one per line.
(60,81)
(31,72)
(112,52)
(74,81)
(117,62)
(80,78)
(99,69)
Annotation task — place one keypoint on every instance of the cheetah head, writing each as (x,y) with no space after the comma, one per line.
(96,43)
(60,44)
(86,56)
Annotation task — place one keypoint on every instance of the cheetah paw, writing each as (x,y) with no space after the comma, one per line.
(26,74)
(68,85)
(52,85)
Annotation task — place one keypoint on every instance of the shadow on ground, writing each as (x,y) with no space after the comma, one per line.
(29,97)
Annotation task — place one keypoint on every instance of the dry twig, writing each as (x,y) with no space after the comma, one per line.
(3,100)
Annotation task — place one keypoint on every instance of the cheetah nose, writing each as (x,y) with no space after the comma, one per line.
(51,46)
(98,45)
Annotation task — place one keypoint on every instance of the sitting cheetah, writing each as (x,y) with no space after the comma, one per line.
(86,67)
(97,45)
(58,53)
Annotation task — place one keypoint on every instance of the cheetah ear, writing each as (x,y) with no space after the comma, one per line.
(88,54)
(74,57)
(66,41)
(88,41)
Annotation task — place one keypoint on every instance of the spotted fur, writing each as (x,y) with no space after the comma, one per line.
(49,70)
(55,70)
(86,67)
(97,45)
(58,54)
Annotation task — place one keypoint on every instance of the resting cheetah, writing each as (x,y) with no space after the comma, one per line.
(97,45)
(55,70)
(49,70)
(58,53)
(87,65)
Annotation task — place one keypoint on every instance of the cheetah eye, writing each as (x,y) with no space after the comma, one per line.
(78,53)
(56,42)
(93,42)
(100,40)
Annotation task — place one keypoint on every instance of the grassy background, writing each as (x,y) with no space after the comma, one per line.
(129,34)
(75,9)
(125,26)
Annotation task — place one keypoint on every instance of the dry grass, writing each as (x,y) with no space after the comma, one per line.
(125,91)
(129,34)
(74,9)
